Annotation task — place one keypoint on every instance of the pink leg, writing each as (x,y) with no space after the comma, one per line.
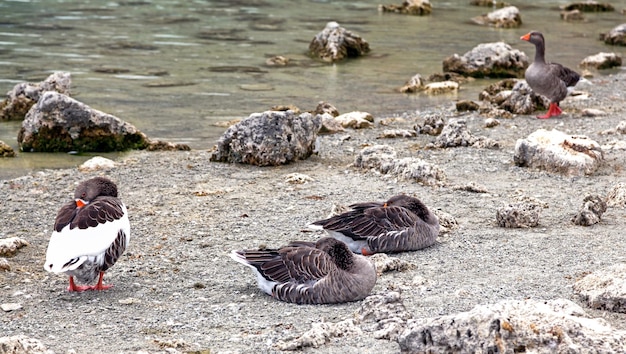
(553,111)
(74,287)
(101,286)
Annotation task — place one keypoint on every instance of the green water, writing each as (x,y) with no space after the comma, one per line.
(160,64)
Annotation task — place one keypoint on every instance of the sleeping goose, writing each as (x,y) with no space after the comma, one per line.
(548,79)
(324,272)
(402,223)
(90,233)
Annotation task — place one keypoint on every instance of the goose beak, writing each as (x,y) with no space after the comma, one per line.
(80,203)
(525,37)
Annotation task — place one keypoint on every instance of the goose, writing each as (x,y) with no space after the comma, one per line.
(90,234)
(402,223)
(324,272)
(548,79)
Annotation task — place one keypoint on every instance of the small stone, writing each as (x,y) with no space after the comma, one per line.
(415,84)
(491,123)
(4,265)
(518,215)
(277,60)
(385,263)
(438,88)
(10,246)
(574,15)
(356,120)
(96,163)
(298,178)
(602,61)
(617,196)
(592,112)
(591,211)
(335,43)
(397,133)
(8,307)
(6,150)
(433,125)
(467,105)
(506,17)
(604,289)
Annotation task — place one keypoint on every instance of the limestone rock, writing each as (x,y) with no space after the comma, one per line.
(447,222)
(573,15)
(355,120)
(397,133)
(433,125)
(514,96)
(60,123)
(438,88)
(591,211)
(22,344)
(467,105)
(518,215)
(320,333)
(25,95)
(335,43)
(506,17)
(602,60)
(617,36)
(159,145)
(383,315)
(6,150)
(330,125)
(589,6)
(555,151)
(604,289)
(541,326)
(372,157)
(409,7)
(488,59)
(10,246)
(270,138)
(96,163)
(617,196)
(4,265)
(385,263)
(455,133)
(415,84)
(491,123)
(325,107)
(593,112)
(418,170)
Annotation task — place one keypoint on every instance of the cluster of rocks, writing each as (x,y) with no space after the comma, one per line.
(52,121)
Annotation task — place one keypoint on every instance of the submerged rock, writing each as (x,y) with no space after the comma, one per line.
(24,95)
(589,6)
(488,60)
(270,138)
(591,211)
(60,123)
(604,289)
(617,36)
(545,326)
(558,152)
(409,7)
(507,17)
(335,43)
(6,150)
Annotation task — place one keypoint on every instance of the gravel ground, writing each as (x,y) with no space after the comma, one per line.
(176,287)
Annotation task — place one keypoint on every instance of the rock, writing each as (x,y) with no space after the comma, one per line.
(514,96)
(9,246)
(409,7)
(335,43)
(60,123)
(589,6)
(6,150)
(470,187)
(96,163)
(330,125)
(355,120)
(433,125)
(455,133)
(372,157)
(418,170)
(555,151)
(591,211)
(383,315)
(506,17)
(25,95)
(320,333)
(488,59)
(518,215)
(4,265)
(277,60)
(574,15)
(160,145)
(325,107)
(298,178)
(270,138)
(288,107)
(539,326)
(438,88)
(604,289)
(11,306)
(447,222)
(617,36)
(466,105)
(385,263)
(397,133)
(617,196)
(415,84)
(489,3)
(602,60)
(491,123)
(614,145)
(592,112)
(22,344)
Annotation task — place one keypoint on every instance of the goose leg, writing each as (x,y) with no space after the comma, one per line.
(553,111)
(74,287)
(101,286)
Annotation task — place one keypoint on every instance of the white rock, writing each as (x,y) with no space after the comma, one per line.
(592,112)
(22,345)
(7,307)
(298,178)
(9,246)
(374,156)
(437,88)
(604,289)
(539,326)
(97,163)
(356,120)
(555,151)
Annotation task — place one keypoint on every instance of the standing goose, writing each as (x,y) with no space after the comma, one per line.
(90,234)
(324,272)
(548,79)
(402,223)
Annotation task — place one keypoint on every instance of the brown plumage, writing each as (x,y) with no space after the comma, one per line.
(402,223)
(548,79)
(324,272)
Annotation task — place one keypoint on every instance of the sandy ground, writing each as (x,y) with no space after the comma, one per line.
(176,288)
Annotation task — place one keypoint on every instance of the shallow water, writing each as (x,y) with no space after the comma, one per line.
(173,68)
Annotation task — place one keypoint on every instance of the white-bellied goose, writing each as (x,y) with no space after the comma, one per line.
(324,272)
(548,79)
(402,223)
(90,233)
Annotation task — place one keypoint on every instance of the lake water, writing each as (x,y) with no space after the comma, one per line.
(163,65)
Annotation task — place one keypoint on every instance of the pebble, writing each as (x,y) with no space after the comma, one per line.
(8,307)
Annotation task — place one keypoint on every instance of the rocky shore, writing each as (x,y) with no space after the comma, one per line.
(176,290)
